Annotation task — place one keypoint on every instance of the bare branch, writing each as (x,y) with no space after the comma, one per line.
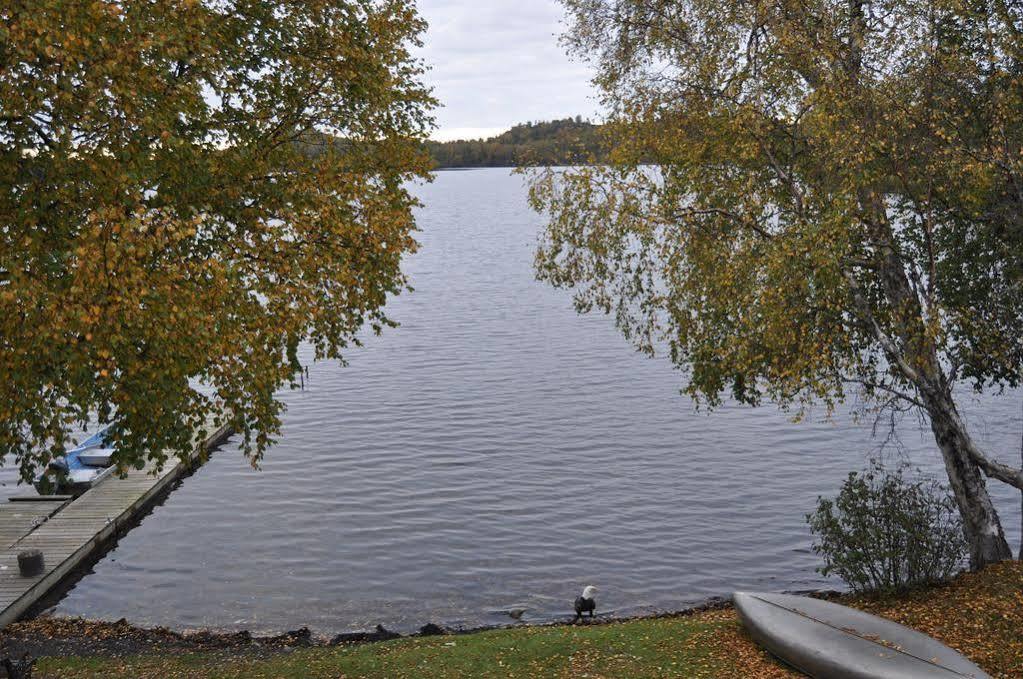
(739,219)
(879,386)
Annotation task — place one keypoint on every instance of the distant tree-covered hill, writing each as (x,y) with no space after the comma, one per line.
(572,141)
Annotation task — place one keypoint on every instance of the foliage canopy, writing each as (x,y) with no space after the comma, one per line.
(168,235)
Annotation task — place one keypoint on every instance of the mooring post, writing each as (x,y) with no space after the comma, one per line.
(30,563)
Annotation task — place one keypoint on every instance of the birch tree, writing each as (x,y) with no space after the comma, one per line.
(809,199)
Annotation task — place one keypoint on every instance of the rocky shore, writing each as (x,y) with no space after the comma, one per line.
(49,636)
(977,614)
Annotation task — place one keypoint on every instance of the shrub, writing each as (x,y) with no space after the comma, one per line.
(886,532)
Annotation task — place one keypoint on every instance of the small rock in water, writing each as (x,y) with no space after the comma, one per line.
(517,613)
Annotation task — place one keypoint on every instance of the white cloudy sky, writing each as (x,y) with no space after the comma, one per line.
(496,63)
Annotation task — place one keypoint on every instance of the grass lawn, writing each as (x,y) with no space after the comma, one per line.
(683,647)
(981,615)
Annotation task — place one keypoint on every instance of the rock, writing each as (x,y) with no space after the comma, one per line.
(517,613)
(243,637)
(383,634)
(299,637)
(18,669)
(380,634)
(350,638)
(220,640)
(431,630)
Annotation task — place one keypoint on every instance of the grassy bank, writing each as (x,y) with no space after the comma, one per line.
(980,615)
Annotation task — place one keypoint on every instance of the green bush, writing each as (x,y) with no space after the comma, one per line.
(886,532)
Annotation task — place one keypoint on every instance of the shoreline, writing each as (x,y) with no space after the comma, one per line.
(977,614)
(45,635)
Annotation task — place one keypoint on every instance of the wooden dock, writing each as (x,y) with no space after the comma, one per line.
(70,531)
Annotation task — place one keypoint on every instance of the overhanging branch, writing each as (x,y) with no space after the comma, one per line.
(887,388)
(995,470)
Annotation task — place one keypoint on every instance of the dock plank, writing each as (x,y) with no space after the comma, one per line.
(69,532)
(19,519)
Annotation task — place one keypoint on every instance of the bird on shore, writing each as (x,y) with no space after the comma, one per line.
(586,603)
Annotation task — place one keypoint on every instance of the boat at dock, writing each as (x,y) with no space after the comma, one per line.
(84,466)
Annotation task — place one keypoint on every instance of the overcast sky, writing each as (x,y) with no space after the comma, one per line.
(496,63)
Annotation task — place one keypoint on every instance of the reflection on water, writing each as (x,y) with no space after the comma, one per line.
(495,452)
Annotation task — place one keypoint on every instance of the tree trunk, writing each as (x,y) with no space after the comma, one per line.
(916,356)
(980,519)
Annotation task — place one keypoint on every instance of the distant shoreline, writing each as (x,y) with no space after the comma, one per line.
(571,141)
(500,167)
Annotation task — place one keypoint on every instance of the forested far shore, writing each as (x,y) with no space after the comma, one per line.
(570,141)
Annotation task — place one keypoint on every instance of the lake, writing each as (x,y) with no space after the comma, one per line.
(497,451)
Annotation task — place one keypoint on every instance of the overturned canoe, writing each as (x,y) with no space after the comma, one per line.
(829,641)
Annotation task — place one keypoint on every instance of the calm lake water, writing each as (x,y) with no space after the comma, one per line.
(497,451)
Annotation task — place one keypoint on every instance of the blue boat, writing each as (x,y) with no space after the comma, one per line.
(85,465)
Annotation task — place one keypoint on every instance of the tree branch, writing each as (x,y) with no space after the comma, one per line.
(704,212)
(898,393)
(891,350)
(992,468)
(996,470)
